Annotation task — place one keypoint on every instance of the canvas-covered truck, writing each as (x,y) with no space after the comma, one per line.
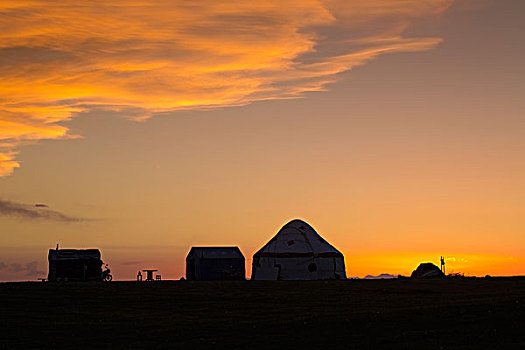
(76,265)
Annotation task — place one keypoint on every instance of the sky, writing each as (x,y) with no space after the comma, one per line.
(142,128)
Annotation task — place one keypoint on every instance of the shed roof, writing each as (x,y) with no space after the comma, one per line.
(215,253)
(73,254)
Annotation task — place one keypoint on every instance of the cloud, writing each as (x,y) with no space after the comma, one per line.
(7,162)
(29,269)
(131,262)
(141,57)
(381,276)
(26,211)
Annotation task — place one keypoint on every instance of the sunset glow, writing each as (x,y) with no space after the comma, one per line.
(144,57)
(395,128)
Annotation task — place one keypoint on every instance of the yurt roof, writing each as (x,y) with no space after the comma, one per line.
(297,238)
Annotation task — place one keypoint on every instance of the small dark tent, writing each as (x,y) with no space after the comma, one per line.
(74,265)
(215,263)
(427,270)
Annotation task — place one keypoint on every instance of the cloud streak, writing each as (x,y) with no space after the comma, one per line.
(140,57)
(30,212)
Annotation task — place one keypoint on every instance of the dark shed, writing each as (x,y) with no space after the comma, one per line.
(215,263)
(74,265)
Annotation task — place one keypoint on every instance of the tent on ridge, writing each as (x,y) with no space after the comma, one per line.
(297,252)
(427,270)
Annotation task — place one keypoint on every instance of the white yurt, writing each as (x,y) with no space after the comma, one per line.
(297,252)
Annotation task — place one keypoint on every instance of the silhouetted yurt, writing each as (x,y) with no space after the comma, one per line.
(427,270)
(74,265)
(215,263)
(297,252)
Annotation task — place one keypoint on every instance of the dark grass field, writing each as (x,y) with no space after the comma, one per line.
(353,314)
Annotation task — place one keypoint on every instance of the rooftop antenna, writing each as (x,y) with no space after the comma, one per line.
(443,265)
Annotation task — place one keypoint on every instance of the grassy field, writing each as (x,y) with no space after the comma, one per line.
(353,314)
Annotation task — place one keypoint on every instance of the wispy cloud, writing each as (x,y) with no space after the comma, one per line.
(140,57)
(32,212)
(381,276)
(132,262)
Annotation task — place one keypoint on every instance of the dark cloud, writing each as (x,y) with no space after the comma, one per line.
(28,269)
(15,267)
(26,211)
(32,269)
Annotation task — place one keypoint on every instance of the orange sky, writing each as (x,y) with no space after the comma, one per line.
(395,128)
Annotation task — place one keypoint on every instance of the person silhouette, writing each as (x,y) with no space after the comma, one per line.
(139,276)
